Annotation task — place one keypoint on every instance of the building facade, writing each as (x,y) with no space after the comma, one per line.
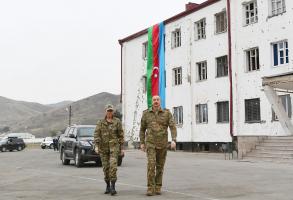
(217,54)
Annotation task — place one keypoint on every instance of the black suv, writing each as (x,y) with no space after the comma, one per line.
(77,144)
(12,143)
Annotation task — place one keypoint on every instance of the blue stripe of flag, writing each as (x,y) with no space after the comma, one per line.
(162,79)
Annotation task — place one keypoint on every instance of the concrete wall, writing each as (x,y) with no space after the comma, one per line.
(133,95)
(247,143)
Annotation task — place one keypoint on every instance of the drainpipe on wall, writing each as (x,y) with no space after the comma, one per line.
(190,75)
(230,70)
(121,87)
(120,71)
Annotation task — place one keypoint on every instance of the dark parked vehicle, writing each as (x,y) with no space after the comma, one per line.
(12,143)
(77,144)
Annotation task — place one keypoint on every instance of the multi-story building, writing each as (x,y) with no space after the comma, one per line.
(217,54)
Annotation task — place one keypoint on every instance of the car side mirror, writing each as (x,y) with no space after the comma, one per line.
(71,135)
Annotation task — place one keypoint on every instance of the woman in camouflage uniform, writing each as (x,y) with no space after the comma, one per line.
(109,140)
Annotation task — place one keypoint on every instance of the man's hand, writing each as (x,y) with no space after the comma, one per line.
(142,147)
(173,145)
(96,149)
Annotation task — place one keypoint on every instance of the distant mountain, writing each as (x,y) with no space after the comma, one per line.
(60,104)
(11,110)
(84,111)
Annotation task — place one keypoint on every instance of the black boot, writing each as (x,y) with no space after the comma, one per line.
(113,190)
(108,189)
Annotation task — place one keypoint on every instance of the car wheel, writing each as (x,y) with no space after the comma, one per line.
(63,159)
(3,149)
(119,161)
(51,146)
(77,160)
(19,148)
(43,147)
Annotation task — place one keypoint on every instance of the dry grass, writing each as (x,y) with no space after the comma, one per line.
(33,146)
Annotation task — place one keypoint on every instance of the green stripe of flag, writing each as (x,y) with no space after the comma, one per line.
(149,67)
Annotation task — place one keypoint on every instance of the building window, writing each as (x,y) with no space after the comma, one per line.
(178,115)
(252,59)
(144,50)
(250,10)
(177,74)
(221,22)
(280,53)
(176,38)
(200,29)
(222,66)
(202,70)
(223,111)
(286,101)
(201,113)
(278,7)
(252,110)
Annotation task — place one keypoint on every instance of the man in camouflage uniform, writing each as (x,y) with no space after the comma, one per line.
(109,140)
(154,140)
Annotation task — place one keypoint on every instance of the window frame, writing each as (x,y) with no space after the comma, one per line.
(202,113)
(176,38)
(178,115)
(248,19)
(145,50)
(249,57)
(199,68)
(274,10)
(284,49)
(177,76)
(250,102)
(200,29)
(224,20)
(221,66)
(221,105)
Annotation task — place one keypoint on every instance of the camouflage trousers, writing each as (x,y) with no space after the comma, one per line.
(109,161)
(155,167)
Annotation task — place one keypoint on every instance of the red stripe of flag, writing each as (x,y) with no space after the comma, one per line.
(155,73)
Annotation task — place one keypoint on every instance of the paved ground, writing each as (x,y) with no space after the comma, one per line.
(35,174)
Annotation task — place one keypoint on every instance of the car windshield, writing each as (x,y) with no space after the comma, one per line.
(86,132)
(48,139)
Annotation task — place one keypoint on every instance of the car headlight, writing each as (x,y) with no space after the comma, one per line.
(84,143)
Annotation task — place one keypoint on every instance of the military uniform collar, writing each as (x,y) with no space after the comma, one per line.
(104,121)
(151,109)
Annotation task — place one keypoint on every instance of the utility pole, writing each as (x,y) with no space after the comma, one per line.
(69,113)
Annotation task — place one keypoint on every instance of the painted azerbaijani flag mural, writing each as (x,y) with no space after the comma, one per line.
(156,64)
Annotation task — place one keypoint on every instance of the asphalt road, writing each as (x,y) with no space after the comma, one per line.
(35,174)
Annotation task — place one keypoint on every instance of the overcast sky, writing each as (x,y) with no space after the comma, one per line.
(55,50)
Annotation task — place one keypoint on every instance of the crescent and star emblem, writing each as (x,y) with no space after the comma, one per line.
(155,73)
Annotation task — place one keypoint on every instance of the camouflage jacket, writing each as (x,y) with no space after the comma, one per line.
(154,128)
(108,135)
